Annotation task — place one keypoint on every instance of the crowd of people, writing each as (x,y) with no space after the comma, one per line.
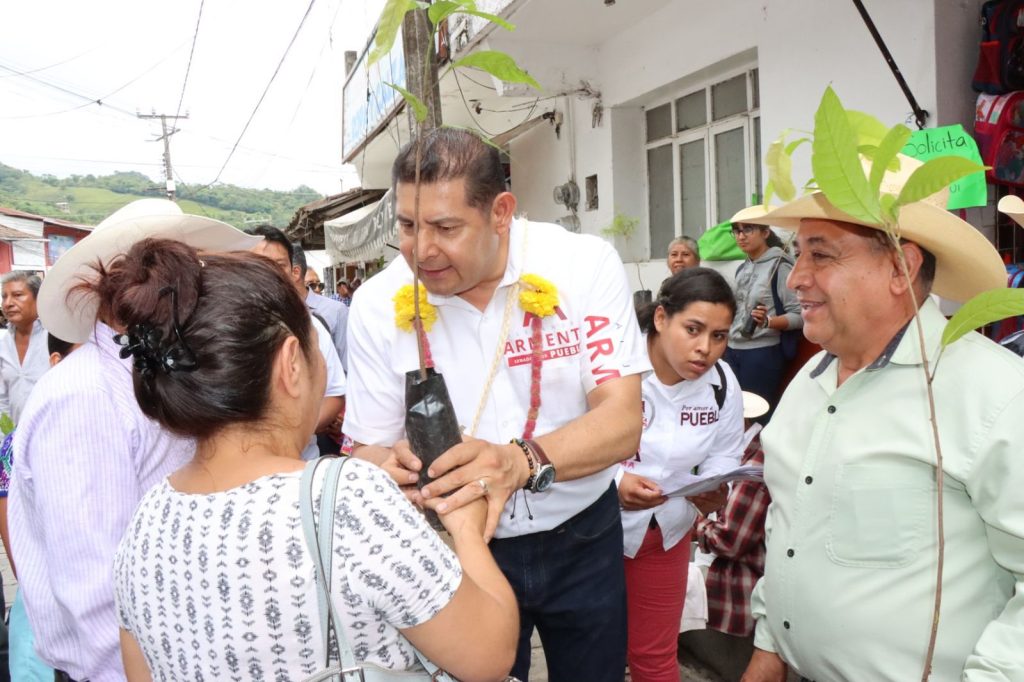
(173,517)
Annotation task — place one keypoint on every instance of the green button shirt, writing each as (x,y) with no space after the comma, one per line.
(849,582)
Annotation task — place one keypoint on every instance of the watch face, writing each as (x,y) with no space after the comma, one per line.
(545,478)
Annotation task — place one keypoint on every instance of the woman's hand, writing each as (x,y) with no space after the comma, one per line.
(710,501)
(637,493)
(470,518)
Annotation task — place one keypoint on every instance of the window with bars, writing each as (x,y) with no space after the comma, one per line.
(703,150)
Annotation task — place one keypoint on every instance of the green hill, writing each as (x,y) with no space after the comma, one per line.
(91,198)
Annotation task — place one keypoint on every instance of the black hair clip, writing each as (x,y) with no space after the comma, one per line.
(146,344)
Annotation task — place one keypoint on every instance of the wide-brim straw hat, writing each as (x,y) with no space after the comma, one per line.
(966,262)
(1013,206)
(753,405)
(72,315)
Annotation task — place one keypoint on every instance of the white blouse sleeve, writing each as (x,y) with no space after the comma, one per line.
(394,562)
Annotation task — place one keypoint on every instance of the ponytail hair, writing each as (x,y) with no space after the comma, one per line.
(692,285)
(203,331)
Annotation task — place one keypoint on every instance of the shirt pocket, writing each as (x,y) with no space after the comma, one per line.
(880,514)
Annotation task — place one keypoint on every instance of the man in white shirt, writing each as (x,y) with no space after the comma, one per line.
(333,313)
(568,371)
(278,248)
(23,356)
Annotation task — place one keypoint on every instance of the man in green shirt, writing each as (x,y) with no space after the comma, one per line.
(850,461)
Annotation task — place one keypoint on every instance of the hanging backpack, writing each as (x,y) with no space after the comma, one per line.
(1000,66)
(789,339)
(999,131)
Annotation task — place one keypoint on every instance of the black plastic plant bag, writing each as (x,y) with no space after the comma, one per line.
(430,422)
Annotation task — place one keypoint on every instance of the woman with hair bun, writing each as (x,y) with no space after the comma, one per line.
(693,422)
(213,579)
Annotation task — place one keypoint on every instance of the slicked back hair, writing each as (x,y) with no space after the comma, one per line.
(450,154)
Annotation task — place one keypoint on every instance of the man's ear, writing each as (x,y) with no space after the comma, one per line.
(914,259)
(503,209)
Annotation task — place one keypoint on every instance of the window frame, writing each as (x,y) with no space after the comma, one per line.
(745,120)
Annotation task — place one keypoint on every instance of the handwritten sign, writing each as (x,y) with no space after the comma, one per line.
(952,140)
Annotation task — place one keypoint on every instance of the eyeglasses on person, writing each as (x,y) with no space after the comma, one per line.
(744,229)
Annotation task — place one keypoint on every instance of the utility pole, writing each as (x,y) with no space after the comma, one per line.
(166,137)
(421,68)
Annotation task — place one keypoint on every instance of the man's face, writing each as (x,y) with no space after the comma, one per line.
(680,257)
(458,244)
(19,303)
(842,284)
(277,253)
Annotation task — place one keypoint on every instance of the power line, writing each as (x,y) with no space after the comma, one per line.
(188,68)
(90,100)
(51,66)
(265,91)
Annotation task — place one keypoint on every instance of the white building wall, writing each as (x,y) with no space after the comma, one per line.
(799,46)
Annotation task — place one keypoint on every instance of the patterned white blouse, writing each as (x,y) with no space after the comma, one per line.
(221,586)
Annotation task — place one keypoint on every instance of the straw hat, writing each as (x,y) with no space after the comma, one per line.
(1013,206)
(753,405)
(752,213)
(967,263)
(72,316)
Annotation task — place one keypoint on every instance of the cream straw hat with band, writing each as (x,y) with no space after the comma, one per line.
(72,316)
(1013,206)
(967,263)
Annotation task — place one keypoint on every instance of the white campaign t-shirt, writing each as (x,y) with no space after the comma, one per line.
(593,337)
(683,429)
(222,586)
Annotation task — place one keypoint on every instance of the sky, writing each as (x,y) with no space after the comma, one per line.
(59,56)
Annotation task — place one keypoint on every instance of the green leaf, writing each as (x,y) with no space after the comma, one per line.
(935,175)
(867,128)
(780,170)
(795,144)
(985,308)
(889,210)
(892,143)
(493,18)
(387,27)
(769,191)
(499,65)
(6,423)
(419,109)
(836,164)
(441,10)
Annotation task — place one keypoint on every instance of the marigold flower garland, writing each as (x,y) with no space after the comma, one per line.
(538,297)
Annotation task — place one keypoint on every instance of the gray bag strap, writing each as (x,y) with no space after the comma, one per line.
(319,541)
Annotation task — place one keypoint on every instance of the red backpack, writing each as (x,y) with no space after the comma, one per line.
(999,131)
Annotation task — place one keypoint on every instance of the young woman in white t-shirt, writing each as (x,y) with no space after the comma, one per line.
(693,424)
(213,579)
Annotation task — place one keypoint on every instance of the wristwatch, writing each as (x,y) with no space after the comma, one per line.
(544,477)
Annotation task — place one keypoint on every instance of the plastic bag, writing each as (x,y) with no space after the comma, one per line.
(430,423)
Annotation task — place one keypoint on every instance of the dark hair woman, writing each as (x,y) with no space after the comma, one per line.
(755,339)
(693,421)
(213,578)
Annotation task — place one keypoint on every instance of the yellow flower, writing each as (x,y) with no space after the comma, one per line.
(539,296)
(405,309)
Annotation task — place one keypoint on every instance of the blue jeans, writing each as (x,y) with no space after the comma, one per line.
(759,371)
(570,585)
